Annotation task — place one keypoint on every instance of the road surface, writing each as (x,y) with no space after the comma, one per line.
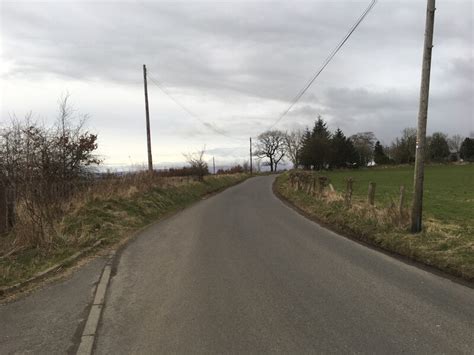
(241,272)
(50,320)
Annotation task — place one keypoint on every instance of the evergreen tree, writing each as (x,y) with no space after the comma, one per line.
(320,129)
(340,151)
(305,155)
(467,149)
(438,147)
(321,145)
(379,154)
(320,149)
(352,154)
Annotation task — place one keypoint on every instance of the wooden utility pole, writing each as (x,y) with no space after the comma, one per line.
(214,165)
(417,207)
(147,112)
(251,167)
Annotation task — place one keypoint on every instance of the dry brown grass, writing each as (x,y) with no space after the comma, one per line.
(30,232)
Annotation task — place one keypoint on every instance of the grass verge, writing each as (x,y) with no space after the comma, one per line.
(446,246)
(110,219)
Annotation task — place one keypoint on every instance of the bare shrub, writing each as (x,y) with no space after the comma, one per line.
(197,163)
(45,166)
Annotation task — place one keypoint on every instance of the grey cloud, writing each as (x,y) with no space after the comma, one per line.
(255,54)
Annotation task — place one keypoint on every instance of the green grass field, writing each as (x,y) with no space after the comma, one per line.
(448,190)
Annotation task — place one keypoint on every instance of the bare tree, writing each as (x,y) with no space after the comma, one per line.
(271,145)
(402,150)
(196,160)
(74,145)
(293,144)
(364,144)
(454,144)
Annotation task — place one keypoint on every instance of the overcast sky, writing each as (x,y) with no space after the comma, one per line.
(236,65)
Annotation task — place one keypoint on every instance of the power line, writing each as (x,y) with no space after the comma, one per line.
(189,112)
(295,99)
(325,63)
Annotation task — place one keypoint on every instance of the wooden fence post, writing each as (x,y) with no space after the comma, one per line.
(3,209)
(371,194)
(322,184)
(401,202)
(309,184)
(348,196)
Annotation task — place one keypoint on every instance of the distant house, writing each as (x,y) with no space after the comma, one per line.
(453,155)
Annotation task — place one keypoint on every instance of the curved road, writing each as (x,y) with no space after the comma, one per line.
(243,273)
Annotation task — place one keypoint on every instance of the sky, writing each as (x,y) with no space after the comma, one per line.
(235,66)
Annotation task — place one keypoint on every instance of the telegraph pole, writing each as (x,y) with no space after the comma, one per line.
(251,156)
(147,111)
(214,165)
(417,207)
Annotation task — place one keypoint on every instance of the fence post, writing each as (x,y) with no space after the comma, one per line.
(322,184)
(401,202)
(3,209)
(348,196)
(371,194)
(309,184)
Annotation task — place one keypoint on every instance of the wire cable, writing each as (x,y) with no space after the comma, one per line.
(325,63)
(189,112)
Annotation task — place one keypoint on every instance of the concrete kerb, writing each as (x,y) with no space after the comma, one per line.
(92,323)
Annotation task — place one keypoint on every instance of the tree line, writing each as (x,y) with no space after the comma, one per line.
(318,148)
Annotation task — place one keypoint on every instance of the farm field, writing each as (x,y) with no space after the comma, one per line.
(448,189)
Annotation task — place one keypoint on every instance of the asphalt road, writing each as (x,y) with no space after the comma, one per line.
(243,273)
(49,320)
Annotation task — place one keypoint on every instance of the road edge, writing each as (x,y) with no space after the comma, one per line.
(89,332)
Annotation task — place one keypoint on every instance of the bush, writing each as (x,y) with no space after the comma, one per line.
(44,166)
